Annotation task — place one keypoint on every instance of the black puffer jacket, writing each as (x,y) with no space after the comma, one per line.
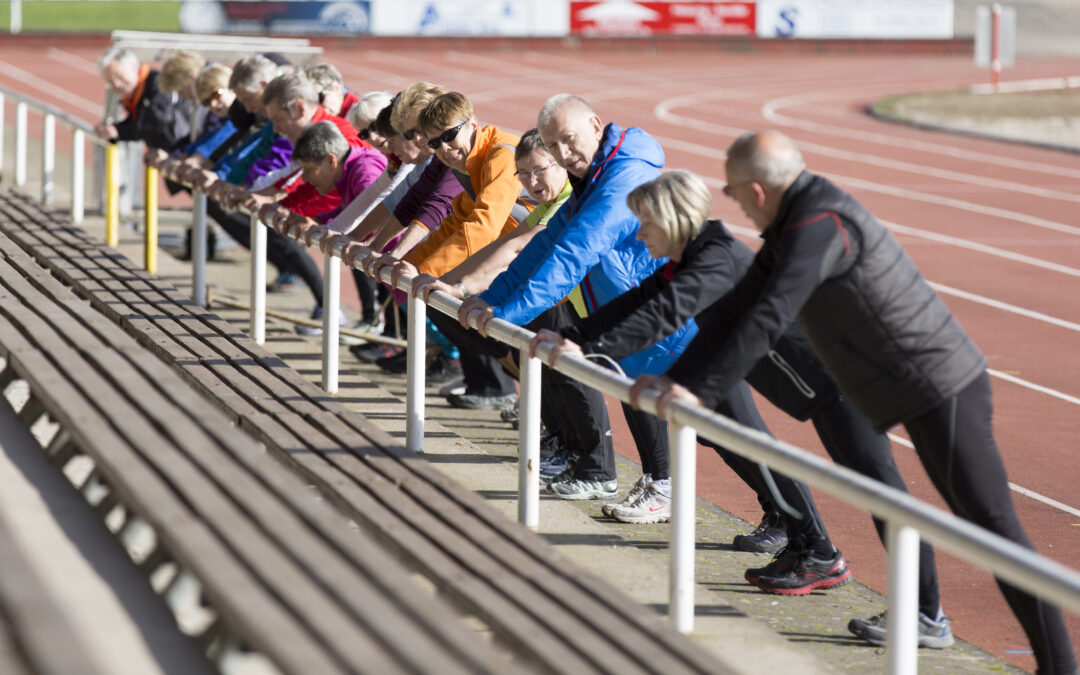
(160,120)
(887,339)
(790,376)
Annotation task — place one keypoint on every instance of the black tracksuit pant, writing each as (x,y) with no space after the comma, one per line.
(955,442)
(283,253)
(484,375)
(580,414)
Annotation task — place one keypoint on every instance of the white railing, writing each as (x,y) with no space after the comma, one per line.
(81,131)
(907,518)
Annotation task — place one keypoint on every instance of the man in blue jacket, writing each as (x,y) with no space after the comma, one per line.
(591,241)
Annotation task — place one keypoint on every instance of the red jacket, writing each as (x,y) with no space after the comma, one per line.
(303,198)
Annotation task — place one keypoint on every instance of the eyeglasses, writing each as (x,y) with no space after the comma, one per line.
(215,95)
(366,132)
(408,134)
(535,173)
(445,137)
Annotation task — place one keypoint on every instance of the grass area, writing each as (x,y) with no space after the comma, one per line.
(91,16)
(961,104)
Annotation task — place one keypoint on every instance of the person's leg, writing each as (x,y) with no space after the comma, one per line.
(288,255)
(651,438)
(484,375)
(366,289)
(955,442)
(851,441)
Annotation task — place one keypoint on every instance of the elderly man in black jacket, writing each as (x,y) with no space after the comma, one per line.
(890,343)
(160,120)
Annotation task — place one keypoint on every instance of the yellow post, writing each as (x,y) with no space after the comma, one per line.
(151,220)
(112,195)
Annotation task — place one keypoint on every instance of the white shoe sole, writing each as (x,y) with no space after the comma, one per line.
(641,519)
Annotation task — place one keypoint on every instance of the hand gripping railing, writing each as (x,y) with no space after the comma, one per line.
(907,519)
(80,132)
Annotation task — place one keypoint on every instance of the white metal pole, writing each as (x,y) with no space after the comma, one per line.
(198,248)
(78,168)
(258,280)
(20,144)
(683,441)
(331,309)
(48,156)
(903,616)
(415,361)
(529,443)
(16,17)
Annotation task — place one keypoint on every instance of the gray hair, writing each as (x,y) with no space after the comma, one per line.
(286,90)
(768,157)
(530,140)
(677,201)
(368,108)
(249,73)
(125,57)
(318,141)
(323,75)
(557,103)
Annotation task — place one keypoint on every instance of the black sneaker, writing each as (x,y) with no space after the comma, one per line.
(442,370)
(373,351)
(396,364)
(550,445)
(769,537)
(807,574)
(780,562)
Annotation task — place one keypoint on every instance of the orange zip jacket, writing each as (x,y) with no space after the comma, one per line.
(475,223)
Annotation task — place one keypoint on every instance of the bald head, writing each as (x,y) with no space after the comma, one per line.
(768,157)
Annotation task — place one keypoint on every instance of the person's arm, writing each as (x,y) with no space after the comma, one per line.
(600,223)
(356,216)
(737,331)
(476,272)
(662,304)
(414,234)
(483,222)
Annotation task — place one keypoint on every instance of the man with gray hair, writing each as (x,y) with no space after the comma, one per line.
(590,241)
(160,120)
(891,344)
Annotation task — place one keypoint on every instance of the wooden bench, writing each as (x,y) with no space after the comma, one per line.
(283,575)
(534,601)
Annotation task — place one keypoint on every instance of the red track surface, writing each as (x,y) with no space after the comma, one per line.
(1020,201)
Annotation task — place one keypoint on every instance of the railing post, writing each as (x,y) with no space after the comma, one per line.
(415,362)
(902,628)
(258,280)
(198,248)
(112,195)
(150,246)
(683,441)
(78,169)
(529,443)
(20,144)
(331,309)
(48,156)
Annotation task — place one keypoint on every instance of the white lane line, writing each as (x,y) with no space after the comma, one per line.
(663,111)
(73,61)
(769,112)
(1034,387)
(50,89)
(983,248)
(1019,489)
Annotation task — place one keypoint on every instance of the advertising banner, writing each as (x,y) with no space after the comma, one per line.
(513,18)
(859,19)
(661,18)
(313,17)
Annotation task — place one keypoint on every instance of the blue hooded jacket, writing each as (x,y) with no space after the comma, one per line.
(592,241)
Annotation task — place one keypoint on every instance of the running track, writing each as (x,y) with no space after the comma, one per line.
(992,225)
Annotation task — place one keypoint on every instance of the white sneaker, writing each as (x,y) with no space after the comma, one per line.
(374,327)
(632,496)
(582,488)
(652,507)
(317,315)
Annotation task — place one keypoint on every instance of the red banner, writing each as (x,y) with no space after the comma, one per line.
(662,18)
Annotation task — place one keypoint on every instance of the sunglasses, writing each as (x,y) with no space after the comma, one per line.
(445,137)
(408,134)
(212,97)
(365,133)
